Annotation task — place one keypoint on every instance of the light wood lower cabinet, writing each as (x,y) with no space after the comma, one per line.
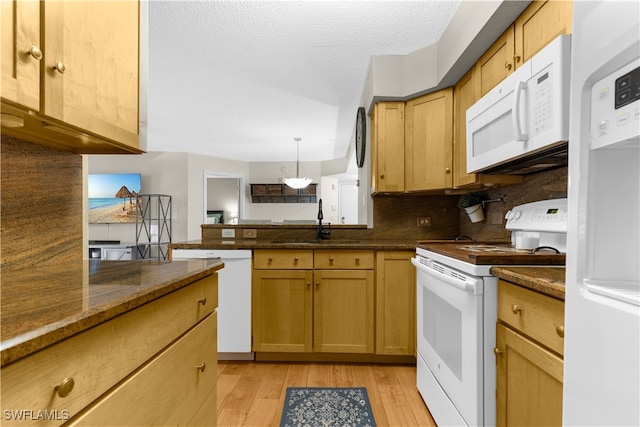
(329,309)
(395,303)
(103,360)
(529,361)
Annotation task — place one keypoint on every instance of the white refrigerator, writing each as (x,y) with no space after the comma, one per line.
(602,311)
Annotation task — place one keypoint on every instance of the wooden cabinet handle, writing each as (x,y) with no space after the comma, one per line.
(515,309)
(497,352)
(516,59)
(59,67)
(560,331)
(65,387)
(203,301)
(508,65)
(201,367)
(35,52)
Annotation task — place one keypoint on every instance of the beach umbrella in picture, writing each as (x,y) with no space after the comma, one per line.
(123,193)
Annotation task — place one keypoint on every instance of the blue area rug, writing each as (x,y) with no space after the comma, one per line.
(312,406)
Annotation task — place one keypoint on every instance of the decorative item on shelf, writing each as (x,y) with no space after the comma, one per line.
(472,204)
(297,182)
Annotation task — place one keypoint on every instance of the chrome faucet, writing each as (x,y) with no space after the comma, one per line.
(323,233)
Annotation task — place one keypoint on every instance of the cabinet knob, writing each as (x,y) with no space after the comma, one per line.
(59,67)
(203,301)
(201,367)
(330,260)
(447,170)
(65,387)
(317,284)
(35,52)
(308,284)
(515,309)
(497,352)
(270,260)
(560,331)
(508,65)
(295,260)
(357,260)
(381,176)
(516,59)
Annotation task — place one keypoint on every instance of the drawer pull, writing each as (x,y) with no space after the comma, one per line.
(357,260)
(515,309)
(508,65)
(560,331)
(330,260)
(270,260)
(497,352)
(203,301)
(295,260)
(65,387)
(201,367)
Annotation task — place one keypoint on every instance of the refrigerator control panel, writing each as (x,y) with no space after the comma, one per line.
(615,107)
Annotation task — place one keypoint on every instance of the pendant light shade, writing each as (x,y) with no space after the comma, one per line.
(297,182)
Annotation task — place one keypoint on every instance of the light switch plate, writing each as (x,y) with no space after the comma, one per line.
(228,232)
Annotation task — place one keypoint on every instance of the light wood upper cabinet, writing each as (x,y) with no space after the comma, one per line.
(538,25)
(395,303)
(90,76)
(70,74)
(387,147)
(496,63)
(21,52)
(429,141)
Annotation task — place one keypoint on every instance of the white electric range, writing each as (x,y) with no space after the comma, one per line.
(457,300)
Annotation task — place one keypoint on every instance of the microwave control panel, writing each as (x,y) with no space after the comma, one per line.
(615,107)
(542,87)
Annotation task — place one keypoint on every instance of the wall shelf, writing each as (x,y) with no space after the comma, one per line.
(281,193)
(153,226)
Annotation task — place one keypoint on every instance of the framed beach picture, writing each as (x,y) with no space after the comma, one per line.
(113,197)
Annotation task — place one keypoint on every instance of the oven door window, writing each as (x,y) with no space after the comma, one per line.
(450,340)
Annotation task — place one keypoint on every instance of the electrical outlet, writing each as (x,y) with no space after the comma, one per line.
(496,218)
(228,232)
(424,221)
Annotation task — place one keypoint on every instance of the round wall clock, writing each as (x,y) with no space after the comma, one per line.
(361,133)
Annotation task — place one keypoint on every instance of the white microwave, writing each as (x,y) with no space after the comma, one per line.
(522,125)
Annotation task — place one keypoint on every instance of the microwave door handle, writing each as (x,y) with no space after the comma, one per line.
(515,116)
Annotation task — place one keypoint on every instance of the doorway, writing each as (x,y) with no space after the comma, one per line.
(223,198)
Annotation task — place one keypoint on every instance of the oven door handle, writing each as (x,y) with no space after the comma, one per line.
(470,284)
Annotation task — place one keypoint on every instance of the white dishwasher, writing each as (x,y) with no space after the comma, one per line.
(234,299)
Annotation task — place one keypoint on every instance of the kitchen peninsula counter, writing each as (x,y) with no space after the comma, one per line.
(547,280)
(44,305)
(298,244)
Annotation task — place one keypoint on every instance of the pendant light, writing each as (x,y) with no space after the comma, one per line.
(297,182)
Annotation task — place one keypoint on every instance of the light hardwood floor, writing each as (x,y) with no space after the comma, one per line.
(252,393)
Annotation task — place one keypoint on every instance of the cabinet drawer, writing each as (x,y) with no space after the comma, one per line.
(145,399)
(283,259)
(105,354)
(534,314)
(343,260)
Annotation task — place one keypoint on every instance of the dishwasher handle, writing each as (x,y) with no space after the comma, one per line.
(451,277)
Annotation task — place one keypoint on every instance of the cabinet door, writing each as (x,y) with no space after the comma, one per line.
(20,68)
(97,43)
(387,140)
(538,25)
(282,310)
(529,382)
(496,63)
(429,141)
(464,96)
(343,311)
(395,303)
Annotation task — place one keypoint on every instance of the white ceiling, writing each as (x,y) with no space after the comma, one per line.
(240,79)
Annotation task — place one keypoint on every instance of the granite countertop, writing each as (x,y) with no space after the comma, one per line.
(376,244)
(41,306)
(547,280)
